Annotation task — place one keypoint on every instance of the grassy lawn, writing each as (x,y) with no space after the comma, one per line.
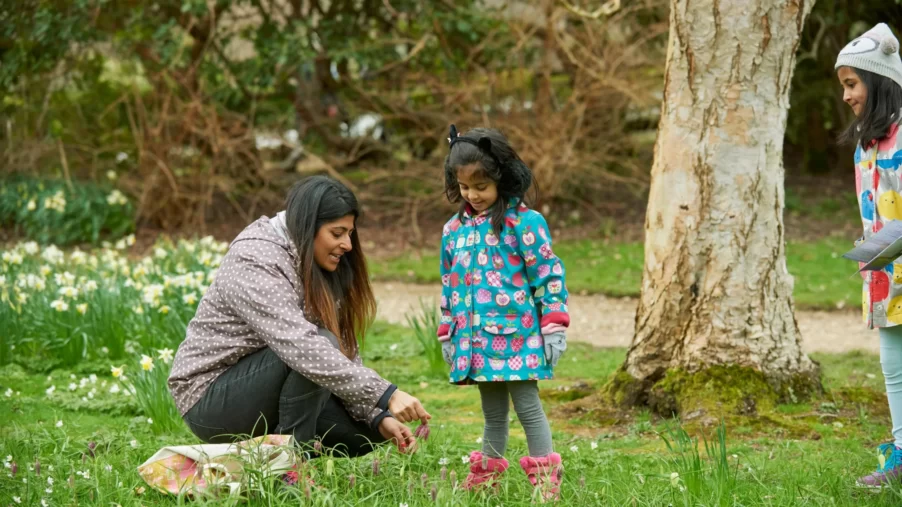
(822,276)
(762,463)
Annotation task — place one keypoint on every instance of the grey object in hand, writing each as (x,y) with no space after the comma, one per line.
(448,352)
(555,345)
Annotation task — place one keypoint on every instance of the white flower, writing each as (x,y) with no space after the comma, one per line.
(443,461)
(594,445)
(479,440)
(402,505)
(44,503)
(574,449)
(89,286)
(78,257)
(108,468)
(393,346)
(73,386)
(149,420)
(82,308)
(153,293)
(93,378)
(50,480)
(121,157)
(190,299)
(65,278)
(674,479)
(116,370)
(2,281)
(59,305)
(146,363)
(49,491)
(165,355)
(91,395)
(130,239)
(86,474)
(114,389)
(53,255)
(8,458)
(134,444)
(17,499)
(50,390)
(59,424)
(111,175)
(116,198)
(465,459)
(8,393)
(164,310)
(32,205)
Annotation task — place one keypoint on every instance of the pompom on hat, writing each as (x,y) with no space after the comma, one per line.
(877,51)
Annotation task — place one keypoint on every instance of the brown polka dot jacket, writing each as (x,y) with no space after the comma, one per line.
(256,301)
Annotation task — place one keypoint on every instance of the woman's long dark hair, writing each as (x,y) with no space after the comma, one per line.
(341,301)
(498,162)
(879,113)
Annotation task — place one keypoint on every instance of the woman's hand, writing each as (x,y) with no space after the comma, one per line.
(398,434)
(405,408)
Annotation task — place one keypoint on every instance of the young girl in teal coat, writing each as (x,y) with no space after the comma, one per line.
(504,302)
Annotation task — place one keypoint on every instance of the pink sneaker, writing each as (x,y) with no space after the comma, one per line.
(484,471)
(545,473)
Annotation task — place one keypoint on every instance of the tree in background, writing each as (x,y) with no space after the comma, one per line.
(715,327)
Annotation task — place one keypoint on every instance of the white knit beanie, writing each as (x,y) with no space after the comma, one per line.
(876,51)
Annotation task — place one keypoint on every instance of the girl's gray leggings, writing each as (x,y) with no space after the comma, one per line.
(496,398)
(891,362)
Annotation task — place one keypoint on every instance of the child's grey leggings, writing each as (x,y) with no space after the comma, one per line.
(891,361)
(495,408)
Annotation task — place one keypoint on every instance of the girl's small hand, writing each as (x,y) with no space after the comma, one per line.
(405,408)
(555,345)
(398,434)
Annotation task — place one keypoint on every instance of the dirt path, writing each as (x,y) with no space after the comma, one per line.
(608,322)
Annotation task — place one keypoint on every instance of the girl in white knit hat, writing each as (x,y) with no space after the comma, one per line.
(870,71)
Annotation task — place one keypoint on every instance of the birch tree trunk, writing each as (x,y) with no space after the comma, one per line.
(715,289)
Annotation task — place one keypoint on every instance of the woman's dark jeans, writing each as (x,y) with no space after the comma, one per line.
(260,394)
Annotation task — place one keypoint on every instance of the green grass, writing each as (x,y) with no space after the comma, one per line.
(753,464)
(822,277)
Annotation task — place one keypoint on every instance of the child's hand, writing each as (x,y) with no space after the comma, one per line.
(555,345)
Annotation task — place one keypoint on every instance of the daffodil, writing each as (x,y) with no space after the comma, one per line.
(165,355)
(190,299)
(59,305)
(69,292)
(146,363)
(164,310)
(82,308)
(117,371)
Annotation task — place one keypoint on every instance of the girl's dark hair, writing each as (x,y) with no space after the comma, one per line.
(341,301)
(880,111)
(496,161)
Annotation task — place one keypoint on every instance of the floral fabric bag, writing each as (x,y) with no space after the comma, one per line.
(213,469)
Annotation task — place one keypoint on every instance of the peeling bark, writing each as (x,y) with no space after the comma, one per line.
(715,288)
